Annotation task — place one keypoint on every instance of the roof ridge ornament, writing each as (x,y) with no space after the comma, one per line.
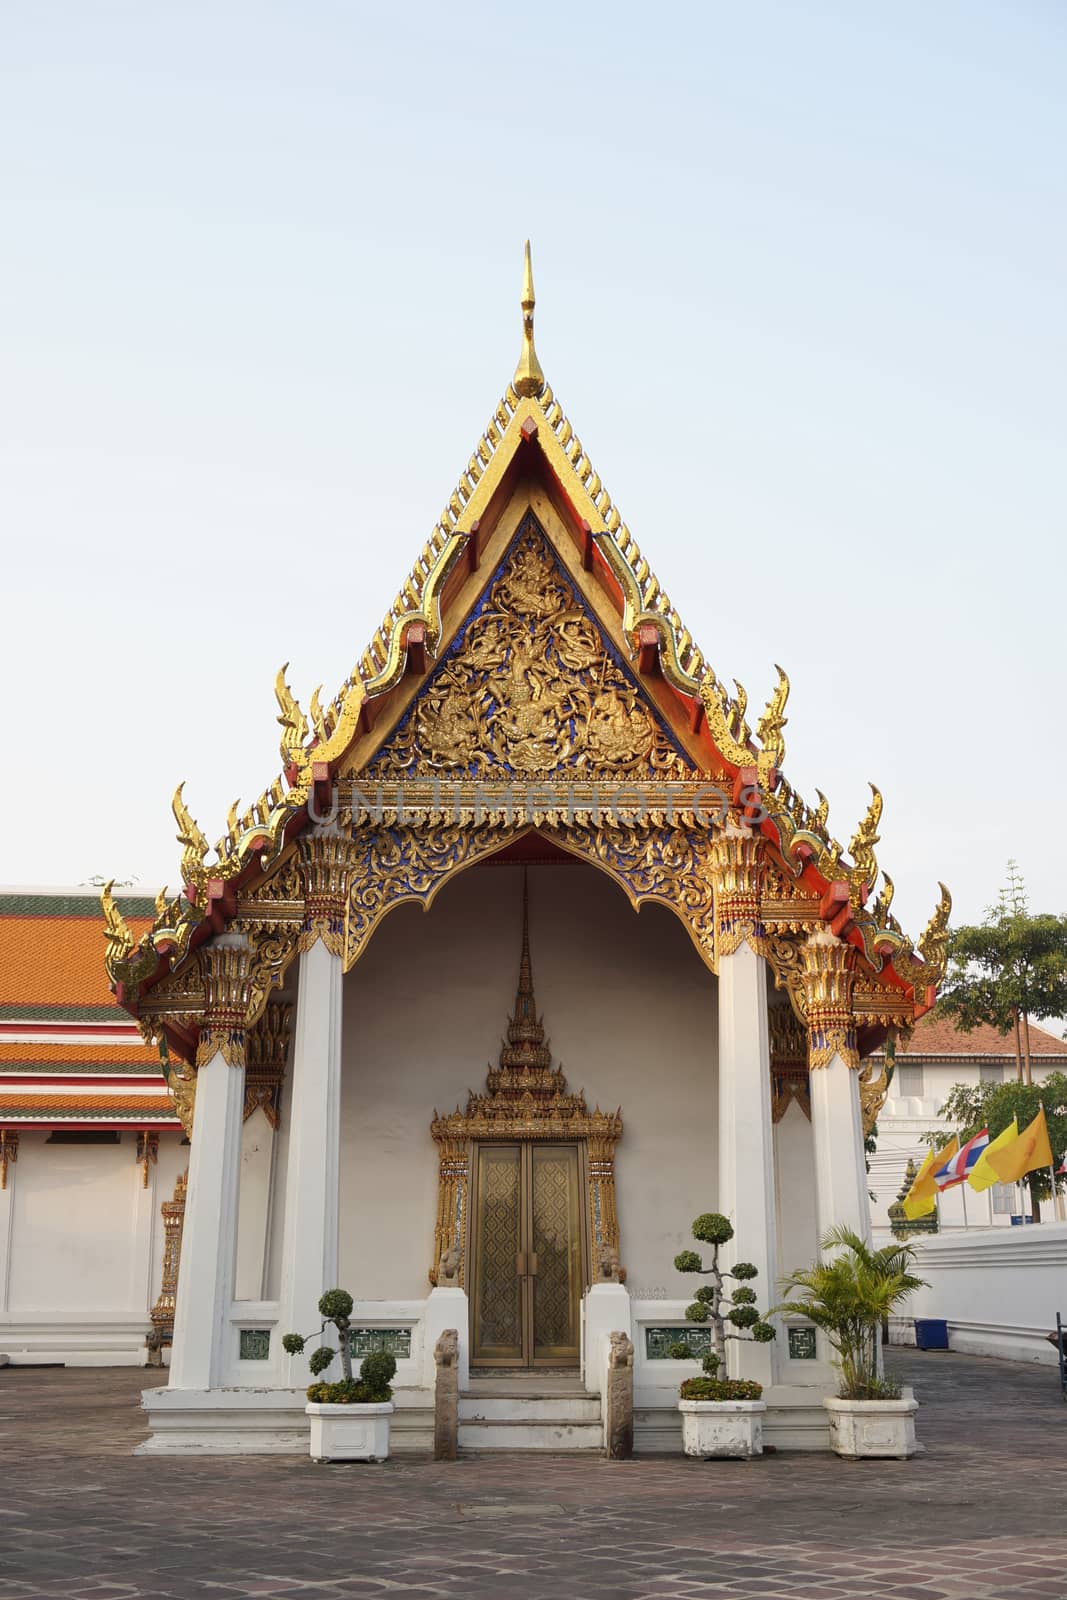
(529,378)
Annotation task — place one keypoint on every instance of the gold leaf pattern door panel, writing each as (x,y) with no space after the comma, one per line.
(556,1242)
(527,1267)
(498,1285)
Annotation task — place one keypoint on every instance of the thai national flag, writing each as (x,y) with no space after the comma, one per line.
(958,1166)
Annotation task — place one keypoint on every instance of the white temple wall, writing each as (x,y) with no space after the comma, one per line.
(629,1008)
(85,1246)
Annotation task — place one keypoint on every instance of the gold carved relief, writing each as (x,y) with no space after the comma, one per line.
(529,689)
(173,1212)
(829,974)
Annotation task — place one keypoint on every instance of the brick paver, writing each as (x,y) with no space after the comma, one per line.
(983,1513)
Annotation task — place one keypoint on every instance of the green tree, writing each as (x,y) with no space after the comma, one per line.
(1006,969)
(970,1107)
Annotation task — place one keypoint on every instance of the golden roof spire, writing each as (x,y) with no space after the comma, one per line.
(529,378)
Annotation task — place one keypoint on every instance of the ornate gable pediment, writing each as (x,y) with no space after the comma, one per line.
(531,688)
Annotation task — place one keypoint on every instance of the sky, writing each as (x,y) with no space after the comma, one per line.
(800,277)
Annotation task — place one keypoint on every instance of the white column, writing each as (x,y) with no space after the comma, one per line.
(209,1234)
(257,1161)
(841,1182)
(746,1143)
(841,1197)
(309,1251)
(143,1231)
(200,1352)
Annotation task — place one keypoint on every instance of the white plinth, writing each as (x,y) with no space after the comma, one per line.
(350,1433)
(728,1428)
(872,1428)
(446,1308)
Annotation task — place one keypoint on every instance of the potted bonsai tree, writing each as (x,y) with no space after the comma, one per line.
(849,1297)
(349,1418)
(722,1416)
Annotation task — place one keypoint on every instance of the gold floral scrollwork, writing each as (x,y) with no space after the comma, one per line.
(829,975)
(737,869)
(453,1193)
(173,1213)
(326,859)
(789,1062)
(266,1052)
(874,1087)
(226,969)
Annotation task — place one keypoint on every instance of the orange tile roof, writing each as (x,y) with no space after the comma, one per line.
(939,1036)
(19,1103)
(58,1057)
(51,964)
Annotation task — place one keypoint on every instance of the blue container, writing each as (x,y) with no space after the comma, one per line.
(931,1333)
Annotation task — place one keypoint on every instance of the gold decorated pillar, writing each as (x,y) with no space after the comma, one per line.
(209,1236)
(746,1134)
(841,1197)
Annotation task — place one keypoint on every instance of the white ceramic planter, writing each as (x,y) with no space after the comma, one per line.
(872,1428)
(349,1433)
(731,1428)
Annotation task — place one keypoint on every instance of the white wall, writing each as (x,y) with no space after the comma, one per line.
(86,1248)
(798,1234)
(999,1292)
(630,1011)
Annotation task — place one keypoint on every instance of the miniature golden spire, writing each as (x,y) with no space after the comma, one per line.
(529,378)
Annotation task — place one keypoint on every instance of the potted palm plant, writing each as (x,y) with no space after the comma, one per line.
(349,1418)
(849,1298)
(722,1416)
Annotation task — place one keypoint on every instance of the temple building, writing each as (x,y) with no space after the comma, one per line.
(529,954)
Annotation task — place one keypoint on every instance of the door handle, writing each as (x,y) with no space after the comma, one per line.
(532,1259)
(520,1264)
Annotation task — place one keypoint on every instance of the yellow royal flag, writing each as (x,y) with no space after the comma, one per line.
(982,1175)
(1025,1154)
(921,1198)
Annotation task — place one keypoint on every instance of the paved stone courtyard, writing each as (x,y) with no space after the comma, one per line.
(982,1513)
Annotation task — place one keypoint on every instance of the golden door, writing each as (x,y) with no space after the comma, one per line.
(527,1255)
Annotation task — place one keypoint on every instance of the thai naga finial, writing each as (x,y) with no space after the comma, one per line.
(861,849)
(933,946)
(293,722)
(773,720)
(729,730)
(317,718)
(190,836)
(884,901)
(118,938)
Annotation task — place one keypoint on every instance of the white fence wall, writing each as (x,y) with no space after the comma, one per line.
(999,1290)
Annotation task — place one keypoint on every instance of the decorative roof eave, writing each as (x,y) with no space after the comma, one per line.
(313,746)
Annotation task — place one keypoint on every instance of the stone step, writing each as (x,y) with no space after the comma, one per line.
(530,1434)
(475,1406)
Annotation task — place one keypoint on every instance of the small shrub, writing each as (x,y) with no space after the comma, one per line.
(680,1351)
(715,1304)
(377,1372)
(720,1389)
